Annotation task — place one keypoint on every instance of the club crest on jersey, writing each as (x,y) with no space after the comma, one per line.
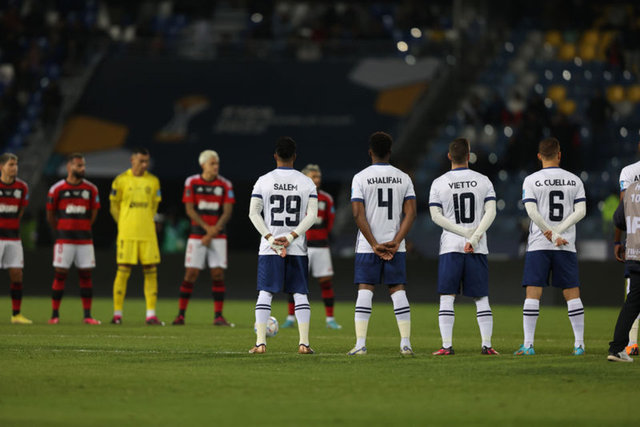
(147,190)
(17,194)
(85,194)
(218,191)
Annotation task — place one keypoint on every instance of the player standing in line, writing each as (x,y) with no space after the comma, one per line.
(208,199)
(384,207)
(628,176)
(555,201)
(135,196)
(279,201)
(72,208)
(319,252)
(14,197)
(463,203)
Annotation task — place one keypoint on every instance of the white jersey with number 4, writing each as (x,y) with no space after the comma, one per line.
(629,175)
(461,193)
(555,191)
(382,189)
(285,193)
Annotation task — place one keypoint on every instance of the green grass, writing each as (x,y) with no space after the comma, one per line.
(75,374)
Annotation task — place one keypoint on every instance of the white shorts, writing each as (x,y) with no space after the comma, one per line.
(320,262)
(65,254)
(11,254)
(215,254)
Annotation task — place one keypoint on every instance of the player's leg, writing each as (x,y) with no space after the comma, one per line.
(321,268)
(395,275)
(367,272)
(476,285)
(450,273)
(149,257)
(61,264)
(627,316)
(13,260)
(632,346)
(186,289)
(269,281)
(291,313)
(296,281)
(85,261)
(127,256)
(537,266)
(565,276)
(217,259)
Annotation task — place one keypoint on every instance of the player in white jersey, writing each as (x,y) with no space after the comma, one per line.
(384,207)
(628,176)
(284,205)
(555,201)
(463,203)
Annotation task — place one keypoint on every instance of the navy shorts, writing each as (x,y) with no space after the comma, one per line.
(559,266)
(371,270)
(466,272)
(289,274)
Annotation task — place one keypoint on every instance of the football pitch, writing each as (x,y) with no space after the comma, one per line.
(74,374)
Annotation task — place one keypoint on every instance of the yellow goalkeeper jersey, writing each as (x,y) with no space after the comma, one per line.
(138,198)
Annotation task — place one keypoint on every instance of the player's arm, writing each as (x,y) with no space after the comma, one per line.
(620,224)
(255,215)
(193,216)
(114,200)
(52,219)
(439,219)
(579,212)
(618,247)
(409,211)
(227,211)
(331,215)
(486,221)
(306,223)
(360,217)
(534,214)
(94,215)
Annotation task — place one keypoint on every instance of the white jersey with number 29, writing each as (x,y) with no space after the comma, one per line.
(554,191)
(461,193)
(285,193)
(382,189)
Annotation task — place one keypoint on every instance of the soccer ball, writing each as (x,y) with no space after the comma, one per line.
(272,327)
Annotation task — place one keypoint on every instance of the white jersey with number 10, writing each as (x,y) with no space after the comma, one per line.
(382,189)
(554,191)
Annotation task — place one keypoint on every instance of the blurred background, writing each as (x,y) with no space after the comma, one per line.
(178,77)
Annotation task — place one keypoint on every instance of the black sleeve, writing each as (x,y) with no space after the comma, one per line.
(618,217)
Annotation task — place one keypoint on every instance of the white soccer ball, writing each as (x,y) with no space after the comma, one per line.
(272,327)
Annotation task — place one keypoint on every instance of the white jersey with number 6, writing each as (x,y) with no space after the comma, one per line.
(555,191)
(285,193)
(382,189)
(461,193)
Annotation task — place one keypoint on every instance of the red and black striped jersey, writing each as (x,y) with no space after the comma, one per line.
(318,234)
(73,206)
(208,198)
(13,197)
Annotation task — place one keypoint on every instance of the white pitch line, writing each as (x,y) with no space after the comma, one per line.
(92,336)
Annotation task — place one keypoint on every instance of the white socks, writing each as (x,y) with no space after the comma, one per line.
(530,313)
(485,320)
(576,317)
(446,317)
(263,311)
(303,314)
(403,316)
(363,313)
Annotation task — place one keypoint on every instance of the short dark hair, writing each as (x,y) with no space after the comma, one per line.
(459,150)
(549,147)
(4,158)
(76,155)
(140,150)
(380,144)
(285,147)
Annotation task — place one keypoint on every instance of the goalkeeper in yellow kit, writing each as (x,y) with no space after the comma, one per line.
(135,195)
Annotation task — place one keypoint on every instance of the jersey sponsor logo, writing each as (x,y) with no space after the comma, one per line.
(285,187)
(138,204)
(555,183)
(463,184)
(208,206)
(384,180)
(8,208)
(75,209)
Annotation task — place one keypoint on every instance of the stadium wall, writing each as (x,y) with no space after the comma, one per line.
(602,282)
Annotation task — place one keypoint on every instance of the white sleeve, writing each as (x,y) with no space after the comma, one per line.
(309,219)
(440,220)
(255,215)
(534,214)
(485,222)
(579,211)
